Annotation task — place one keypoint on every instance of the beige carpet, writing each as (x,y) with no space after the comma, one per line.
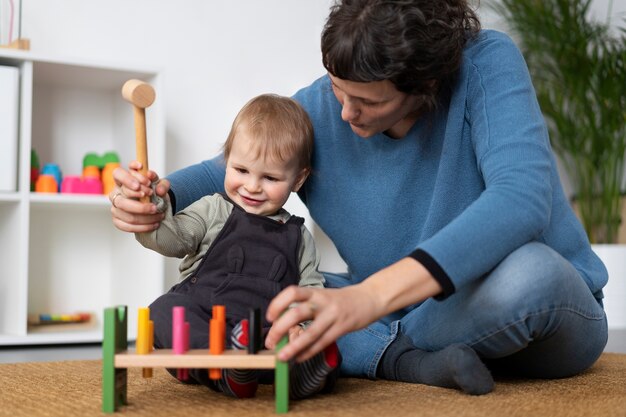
(72,389)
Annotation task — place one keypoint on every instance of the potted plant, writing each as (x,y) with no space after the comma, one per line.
(578,67)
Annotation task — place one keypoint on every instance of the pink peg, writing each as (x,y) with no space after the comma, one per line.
(180,338)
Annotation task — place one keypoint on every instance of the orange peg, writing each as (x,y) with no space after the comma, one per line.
(217,339)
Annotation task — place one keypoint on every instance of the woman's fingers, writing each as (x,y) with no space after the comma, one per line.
(129,214)
(134,228)
(285,298)
(281,326)
(310,342)
(125,178)
(283,317)
(315,304)
(134,216)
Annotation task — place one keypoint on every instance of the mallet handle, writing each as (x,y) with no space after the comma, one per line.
(140,95)
(141,139)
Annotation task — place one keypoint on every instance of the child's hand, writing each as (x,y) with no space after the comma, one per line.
(294,332)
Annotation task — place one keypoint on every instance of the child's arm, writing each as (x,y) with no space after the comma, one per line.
(310,276)
(309,262)
(181,234)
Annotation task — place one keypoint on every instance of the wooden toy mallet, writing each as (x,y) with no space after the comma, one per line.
(141,95)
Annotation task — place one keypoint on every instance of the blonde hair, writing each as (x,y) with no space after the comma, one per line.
(279,126)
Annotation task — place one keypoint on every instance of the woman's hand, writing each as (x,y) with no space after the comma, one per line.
(335,312)
(129,214)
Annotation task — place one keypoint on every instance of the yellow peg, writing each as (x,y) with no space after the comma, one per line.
(145,331)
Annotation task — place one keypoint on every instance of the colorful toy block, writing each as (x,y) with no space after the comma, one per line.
(34,169)
(76,185)
(46,184)
(93,159)
(108,182)
(48,319)
(91,171)
(55,171)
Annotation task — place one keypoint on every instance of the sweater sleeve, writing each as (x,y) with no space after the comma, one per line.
(196,181)
(514,157)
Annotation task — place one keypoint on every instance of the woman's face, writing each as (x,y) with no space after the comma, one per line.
(376,107)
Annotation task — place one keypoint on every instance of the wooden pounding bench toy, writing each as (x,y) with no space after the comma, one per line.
(116,358)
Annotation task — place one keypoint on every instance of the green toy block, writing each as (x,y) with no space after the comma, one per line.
(34,159)
(108,158)
(281,381)
(93,159)
(114,380)
(34,168)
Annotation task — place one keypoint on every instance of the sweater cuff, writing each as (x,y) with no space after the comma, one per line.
(436,271)
(172,200)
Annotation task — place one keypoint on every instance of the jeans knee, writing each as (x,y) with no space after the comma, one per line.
(571,349)
(535,271)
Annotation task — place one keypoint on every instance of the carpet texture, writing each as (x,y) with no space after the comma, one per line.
(72,389)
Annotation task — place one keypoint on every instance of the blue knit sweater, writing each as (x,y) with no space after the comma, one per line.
(468,184)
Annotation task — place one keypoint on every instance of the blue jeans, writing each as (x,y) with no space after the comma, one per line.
(532,316)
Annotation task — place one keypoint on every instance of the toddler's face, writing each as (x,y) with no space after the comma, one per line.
(259,185)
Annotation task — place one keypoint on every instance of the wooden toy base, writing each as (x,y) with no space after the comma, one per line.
(196,358)
(23,44)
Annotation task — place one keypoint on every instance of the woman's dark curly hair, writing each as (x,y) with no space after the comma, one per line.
(408,42)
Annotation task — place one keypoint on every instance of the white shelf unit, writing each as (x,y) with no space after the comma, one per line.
(60,253)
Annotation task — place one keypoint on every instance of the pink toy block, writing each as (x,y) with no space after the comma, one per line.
(78,185)
(92,185)
(180,338)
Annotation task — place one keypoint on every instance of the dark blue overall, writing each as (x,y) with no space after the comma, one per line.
(252,259)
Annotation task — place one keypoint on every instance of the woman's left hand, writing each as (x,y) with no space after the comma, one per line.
(337,311)
(334,312)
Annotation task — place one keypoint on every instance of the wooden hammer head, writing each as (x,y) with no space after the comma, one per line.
(138,93)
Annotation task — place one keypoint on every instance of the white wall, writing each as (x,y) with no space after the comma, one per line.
(214,55)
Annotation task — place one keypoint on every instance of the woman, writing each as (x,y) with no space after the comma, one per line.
(434,177)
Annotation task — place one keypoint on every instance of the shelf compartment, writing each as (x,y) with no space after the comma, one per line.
(80,262)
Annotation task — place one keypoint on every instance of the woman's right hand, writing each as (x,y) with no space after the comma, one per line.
(129,214)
